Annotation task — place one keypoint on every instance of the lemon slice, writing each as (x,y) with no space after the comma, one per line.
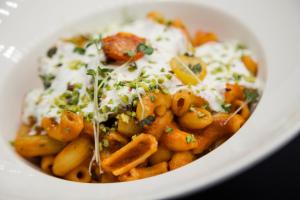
(189,70)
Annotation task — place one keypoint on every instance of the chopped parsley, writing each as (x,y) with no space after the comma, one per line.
(132,67)
(168,76)
(79,50)
(152,98)
(130,53)
(196,68)
(76,64)
(241,46)
(205,106)
(217,70)
(236,76)
(147,121)
(169,130)
(124,99)
(47,80)
(91,72)
(142,47)
(105,143)
(226,107)
(251,95)
(51,52)
(162,70)
(198,113)
(190,138)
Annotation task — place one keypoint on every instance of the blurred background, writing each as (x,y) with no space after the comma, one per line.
(277,177)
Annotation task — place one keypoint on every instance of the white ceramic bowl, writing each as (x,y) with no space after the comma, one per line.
(269,28)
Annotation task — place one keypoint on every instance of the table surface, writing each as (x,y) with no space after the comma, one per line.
(277,177)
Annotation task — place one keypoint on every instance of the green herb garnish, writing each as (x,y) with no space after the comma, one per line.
(105,143)
(190,138)
(132,67)
(226,107)
(51,52)
(47,80)
(147,121)
(152,98)
(196,68)
(236,76)
(168,76)
(251,95)
(169,130)
(142,47)
(131,53)
(79,50)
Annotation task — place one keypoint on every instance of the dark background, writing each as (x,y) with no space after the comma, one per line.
(277,177)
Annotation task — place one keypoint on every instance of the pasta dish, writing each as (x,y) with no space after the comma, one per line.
(134,100)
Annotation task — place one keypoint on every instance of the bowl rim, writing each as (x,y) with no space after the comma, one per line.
(235,168)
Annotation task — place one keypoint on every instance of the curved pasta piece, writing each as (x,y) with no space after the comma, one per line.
(198,118)
(180,159)
(177,140)
(23,130)
(115,141)
(244,112)
(131,155)
(156,16)
(37,145)
(108,177)
(88,128)
(250,64)
(128,127)
(47,164)
(150,102)
(182,100)
(72,156)
(233,92)
(201,38)
(162,154)
(79,40)
(69,128)
(159,125)
(144,172)
(218,130)
(177,23)
(80,174)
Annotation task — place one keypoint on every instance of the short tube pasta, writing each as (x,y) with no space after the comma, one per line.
(162,154)
(180,159)
(37,145)
(181,102)
(128,126)
(131,155)
(72,155)
(69,128)
(250,64)
(47,164)
(217,130)
(159,125)
(150,102)
(233,92)
(177,140)
(245,111)
(197,118)
(144,172)
(80,173)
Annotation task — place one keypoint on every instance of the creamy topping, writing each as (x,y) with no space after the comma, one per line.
(68,84)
